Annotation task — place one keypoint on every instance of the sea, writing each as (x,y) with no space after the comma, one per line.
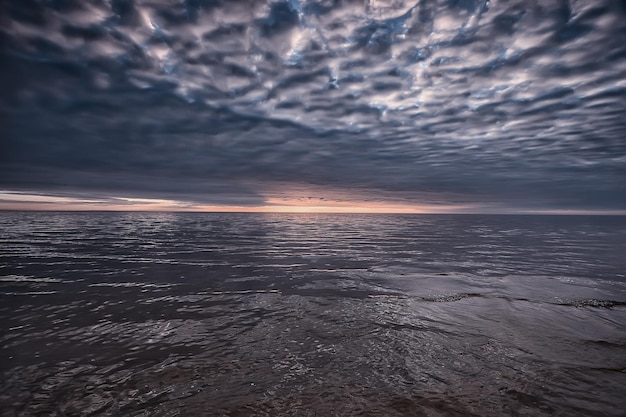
(254,314)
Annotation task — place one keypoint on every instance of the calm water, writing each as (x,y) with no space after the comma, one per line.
(303,315)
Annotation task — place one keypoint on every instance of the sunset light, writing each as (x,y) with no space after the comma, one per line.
(299,208)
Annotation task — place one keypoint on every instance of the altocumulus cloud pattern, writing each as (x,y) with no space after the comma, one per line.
(501,103)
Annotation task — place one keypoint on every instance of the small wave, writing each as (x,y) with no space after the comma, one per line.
(24,278)
(448,298)
(591,302)
(131,284)
(387,296)
(242,292)
(606,343)
(30,293)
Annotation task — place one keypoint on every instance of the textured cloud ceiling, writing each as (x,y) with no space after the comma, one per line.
(506,103)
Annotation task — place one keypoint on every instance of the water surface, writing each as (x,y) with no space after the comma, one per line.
(300,315)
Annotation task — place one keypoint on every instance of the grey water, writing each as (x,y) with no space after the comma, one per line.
(196,314)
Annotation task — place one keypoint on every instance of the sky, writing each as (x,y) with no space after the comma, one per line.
(449,106)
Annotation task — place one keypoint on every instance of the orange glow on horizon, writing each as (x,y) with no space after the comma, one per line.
(19,201)
(25,206)
(33,202)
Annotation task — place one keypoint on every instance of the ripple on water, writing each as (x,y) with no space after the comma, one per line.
(407,330)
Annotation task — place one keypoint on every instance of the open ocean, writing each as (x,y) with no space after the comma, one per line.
(159,314)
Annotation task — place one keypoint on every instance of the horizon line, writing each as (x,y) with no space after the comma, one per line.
(36,202)
(544,212)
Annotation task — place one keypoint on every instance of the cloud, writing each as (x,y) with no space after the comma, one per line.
(238,103)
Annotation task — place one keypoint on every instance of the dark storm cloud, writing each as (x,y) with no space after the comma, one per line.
(518,103)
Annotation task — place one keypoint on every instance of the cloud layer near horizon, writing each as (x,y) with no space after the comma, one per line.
(512,104)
